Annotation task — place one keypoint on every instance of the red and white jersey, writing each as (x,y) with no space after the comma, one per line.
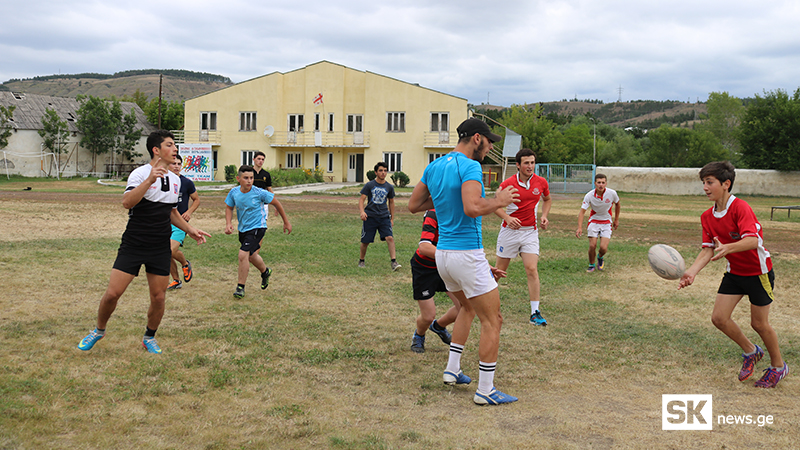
(529,195)
(600,205)
(735,223)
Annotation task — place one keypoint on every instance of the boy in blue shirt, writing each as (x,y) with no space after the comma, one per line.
(249,202)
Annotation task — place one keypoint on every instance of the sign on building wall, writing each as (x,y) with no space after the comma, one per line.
(197,161)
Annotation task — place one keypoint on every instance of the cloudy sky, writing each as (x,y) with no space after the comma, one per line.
(509,52)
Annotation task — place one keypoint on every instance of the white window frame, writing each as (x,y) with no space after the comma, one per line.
(210,119)
(295,122)
(436,121)
(247,121)
(355,123)
(394,160)
(434,156)
(330,162)
(330,122)
(247,157)
(294,160)
(395,122)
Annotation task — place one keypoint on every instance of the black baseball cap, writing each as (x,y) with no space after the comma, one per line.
(472,125)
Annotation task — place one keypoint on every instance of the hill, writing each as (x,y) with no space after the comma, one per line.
(176,84)
(641,113)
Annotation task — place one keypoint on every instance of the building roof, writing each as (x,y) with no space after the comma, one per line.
(30,108)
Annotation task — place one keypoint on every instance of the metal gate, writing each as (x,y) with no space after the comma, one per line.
(568,178)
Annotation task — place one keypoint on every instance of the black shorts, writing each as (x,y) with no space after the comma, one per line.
(370,226)
(155,262)
(757,288)
(251,240)
(426,282)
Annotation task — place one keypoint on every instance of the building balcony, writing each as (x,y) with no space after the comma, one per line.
(439,139)
(293,139)
(213,137)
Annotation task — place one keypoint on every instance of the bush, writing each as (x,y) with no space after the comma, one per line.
(400,179)
(370,175)
(494,185)
(230,173)
(292,177)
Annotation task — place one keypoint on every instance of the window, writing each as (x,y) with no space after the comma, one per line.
(208,120)
(293,160)
(355,123)
(316,161)
(396,122)
(330,122)
(215,155)
(394,160)
(247,157)
(330,162)
(440,121)
(317,120)
(247,121)
(433,156)
(296,123)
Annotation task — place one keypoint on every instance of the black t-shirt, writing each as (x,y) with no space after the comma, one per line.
(262,179)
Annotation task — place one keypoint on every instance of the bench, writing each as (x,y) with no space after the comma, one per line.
(787,208)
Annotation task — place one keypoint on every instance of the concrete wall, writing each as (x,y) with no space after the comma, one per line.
(671,181)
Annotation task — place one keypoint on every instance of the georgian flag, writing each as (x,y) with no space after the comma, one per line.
(318,99)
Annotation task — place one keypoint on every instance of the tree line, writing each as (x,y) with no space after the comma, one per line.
(177,73)
(756,133)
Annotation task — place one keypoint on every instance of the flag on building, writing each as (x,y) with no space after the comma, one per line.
(318,99)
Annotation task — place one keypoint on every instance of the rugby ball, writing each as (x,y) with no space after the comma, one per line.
(666,262)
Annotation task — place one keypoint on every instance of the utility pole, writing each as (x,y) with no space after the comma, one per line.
(160,78)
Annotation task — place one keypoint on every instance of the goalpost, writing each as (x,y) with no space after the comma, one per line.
(41,156)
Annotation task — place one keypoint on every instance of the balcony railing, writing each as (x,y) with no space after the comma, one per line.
(197,136)
(439,139)
(319,139)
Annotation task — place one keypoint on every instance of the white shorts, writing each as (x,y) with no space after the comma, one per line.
(511,243)
(465,270)
(601,230)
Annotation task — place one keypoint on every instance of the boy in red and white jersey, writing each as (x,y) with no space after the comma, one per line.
(519,234)
(731,230)
(600,200)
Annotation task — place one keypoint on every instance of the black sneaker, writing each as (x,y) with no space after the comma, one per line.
(265,278)
(239,293)
(444,335)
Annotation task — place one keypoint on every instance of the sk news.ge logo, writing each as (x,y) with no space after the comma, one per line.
(686,412)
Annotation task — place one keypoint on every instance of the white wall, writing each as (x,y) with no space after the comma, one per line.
(671,181)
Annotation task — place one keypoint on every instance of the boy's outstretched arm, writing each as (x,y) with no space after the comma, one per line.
(579,231)
(228,219)
(287,227)
(702,259)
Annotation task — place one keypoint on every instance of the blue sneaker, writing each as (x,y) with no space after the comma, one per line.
(418,343)
(493,398)
(88,342)
(451,378)
(444,335)
(601,264)
(151,345)
(537,319)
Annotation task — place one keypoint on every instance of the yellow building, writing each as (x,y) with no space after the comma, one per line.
(327,116)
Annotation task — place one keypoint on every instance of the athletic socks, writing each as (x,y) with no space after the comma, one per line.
(534,307)
(149,334)
(454,358)
(486,377)
(100,332)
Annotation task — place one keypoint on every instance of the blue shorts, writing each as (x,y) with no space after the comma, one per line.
(370,226)
(178,235)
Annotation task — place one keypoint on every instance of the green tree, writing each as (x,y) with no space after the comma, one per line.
(724,117)
(129,135)
(770,131)
(54,133)
(681,147)
(97,125)
(6,114)
(171,114)
(538,133)
(138,97)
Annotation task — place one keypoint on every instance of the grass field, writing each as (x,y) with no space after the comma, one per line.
(321,358)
